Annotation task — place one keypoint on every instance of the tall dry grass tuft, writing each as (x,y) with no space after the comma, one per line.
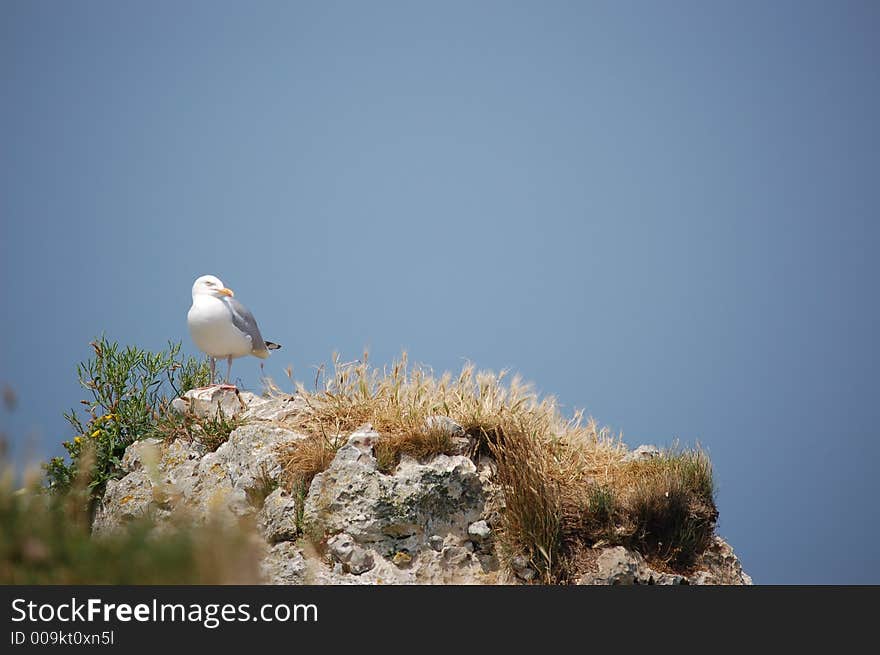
(304,459)
(532,518)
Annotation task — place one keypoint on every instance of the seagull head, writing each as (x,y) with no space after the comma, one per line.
(210,285)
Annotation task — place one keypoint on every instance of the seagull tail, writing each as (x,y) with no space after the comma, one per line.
(263,353)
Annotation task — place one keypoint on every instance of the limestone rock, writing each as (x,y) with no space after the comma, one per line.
(209,401)
(618,566)
(274,409)
(394,512)
(444,423)
(641,453)
(353,557)
(284,564)
(422,509)
(479,530)
(166,477)
(427,522)
(720,565)
(141,454)
(126,499)
(277,519)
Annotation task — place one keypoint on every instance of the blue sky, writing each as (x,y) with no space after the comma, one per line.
(664,213)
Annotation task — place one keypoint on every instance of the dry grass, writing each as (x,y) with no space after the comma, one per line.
(564,481)
(669,505)
(528,473)
(304,459)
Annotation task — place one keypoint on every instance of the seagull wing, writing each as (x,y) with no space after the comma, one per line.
(245,321)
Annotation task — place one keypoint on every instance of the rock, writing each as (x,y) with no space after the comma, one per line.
(284,564)
(428,522)
(382,572)
(364,438)
(487,468)
(642,453)
(719,565)
(184,479)
(277,519)
(354,559)
(251,452)
(341,546)
(394,512)
(274,409)
(519,562)
(422,509)
(402,559)
(140,454)
(446,424)
(522,568)
(361,561)
(179,464)
(124,500)
(479,530)
(207,402)
(618,566)
(455,555)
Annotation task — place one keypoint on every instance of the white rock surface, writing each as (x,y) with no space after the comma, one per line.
(641,453)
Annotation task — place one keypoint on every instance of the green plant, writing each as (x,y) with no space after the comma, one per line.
(670,507)
(601,511)
(129,390)
(210,431)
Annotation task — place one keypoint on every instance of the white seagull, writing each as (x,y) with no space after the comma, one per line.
(221,326)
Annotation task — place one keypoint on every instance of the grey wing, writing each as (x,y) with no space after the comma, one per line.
(245,321)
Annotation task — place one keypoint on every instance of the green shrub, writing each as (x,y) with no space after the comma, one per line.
(130,394)
(210,431)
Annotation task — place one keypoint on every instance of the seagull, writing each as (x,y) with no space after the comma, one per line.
(222,327)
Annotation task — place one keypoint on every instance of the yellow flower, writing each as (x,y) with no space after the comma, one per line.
(95,433)
(77,439)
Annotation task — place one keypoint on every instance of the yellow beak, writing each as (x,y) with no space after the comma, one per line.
(226,292)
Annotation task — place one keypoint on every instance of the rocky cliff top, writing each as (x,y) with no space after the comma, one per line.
(364,519)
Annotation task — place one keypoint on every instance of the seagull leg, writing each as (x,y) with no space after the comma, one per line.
(226,384)
(213,366)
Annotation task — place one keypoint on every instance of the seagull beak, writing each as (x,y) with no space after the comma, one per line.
(226,292)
